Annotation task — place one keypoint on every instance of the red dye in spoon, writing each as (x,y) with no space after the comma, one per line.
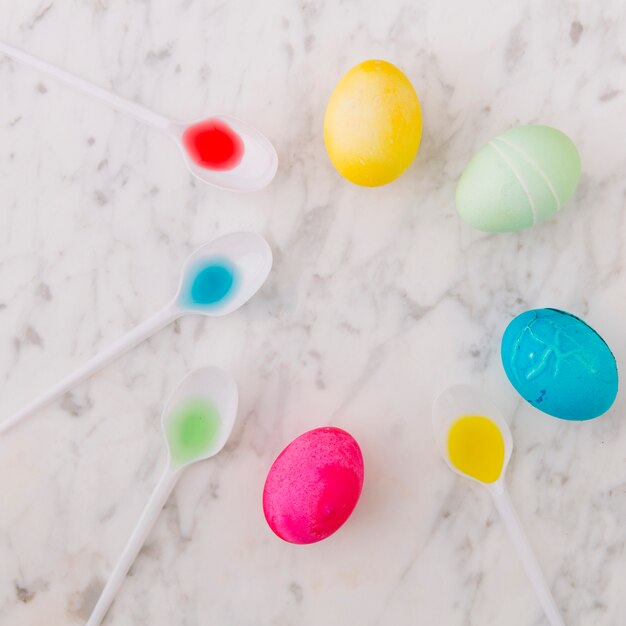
(213,145)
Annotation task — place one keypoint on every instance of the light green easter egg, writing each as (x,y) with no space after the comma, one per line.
(520,178)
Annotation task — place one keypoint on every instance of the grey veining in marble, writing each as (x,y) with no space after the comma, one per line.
(378,299)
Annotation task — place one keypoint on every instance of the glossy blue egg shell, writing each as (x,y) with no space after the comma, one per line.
(559,364)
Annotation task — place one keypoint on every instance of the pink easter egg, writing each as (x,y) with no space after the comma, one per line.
(313,485)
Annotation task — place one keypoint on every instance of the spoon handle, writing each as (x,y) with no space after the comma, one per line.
(138,537)
(97,362)
(520,541)
(117,102)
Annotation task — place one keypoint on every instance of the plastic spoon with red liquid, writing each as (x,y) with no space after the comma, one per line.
(221,151)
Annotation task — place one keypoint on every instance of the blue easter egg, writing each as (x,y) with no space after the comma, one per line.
(559,364)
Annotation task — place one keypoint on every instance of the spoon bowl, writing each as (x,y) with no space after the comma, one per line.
(458,401)
(242,262)
(244,159)
(201,412)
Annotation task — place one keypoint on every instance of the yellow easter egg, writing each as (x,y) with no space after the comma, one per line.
(373,124)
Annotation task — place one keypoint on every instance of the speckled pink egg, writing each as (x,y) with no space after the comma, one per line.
(313,485)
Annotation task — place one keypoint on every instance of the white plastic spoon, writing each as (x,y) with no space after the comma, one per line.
(196,423)
(462,402)
(222,150)
(217,279)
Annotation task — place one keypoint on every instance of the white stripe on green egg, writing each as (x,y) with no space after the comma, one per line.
(535,166)
(520,178)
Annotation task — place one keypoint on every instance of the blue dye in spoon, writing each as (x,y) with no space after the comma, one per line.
(209,282)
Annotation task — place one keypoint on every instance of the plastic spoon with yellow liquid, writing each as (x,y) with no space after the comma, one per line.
(476,442)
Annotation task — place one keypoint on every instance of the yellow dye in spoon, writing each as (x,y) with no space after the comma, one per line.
(476,448)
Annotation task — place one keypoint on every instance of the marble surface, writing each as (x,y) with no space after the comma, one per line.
(378,299)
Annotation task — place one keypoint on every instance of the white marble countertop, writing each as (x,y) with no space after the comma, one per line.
(378,299)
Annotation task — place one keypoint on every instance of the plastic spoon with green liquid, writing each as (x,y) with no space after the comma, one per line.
(196,423)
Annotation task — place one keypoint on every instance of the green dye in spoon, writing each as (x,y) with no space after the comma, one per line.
(192,430)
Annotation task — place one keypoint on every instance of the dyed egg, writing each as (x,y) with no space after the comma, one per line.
(559,364)
(313,485)
(373,124)
(520,178)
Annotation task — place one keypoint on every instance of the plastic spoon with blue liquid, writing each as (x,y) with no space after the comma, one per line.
(217,279)
(221,151)
(196,423)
